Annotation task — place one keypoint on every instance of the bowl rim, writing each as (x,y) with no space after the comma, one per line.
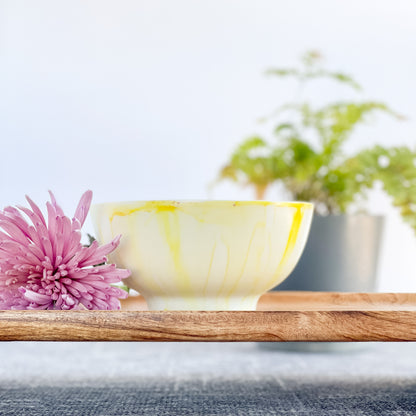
(207,202)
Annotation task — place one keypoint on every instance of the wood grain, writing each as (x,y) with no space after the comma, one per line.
(282,316)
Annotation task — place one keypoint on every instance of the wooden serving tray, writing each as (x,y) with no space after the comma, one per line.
(281,316)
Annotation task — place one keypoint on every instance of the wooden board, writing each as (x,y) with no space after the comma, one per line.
(281,316)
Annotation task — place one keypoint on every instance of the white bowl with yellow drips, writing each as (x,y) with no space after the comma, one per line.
(205,255)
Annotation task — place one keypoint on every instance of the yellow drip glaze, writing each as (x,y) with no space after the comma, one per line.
(225,271)
(169,223)
(294,231)
(209,268)
(292,239)
(257,279)
(148,206)
(131,223)
(277,204)
(246,259)
(159,206)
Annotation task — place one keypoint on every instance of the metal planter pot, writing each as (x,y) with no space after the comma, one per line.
(341,255)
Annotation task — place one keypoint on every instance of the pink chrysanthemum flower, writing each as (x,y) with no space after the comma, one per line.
(43,265)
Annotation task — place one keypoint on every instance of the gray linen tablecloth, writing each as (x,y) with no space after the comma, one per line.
(204,378)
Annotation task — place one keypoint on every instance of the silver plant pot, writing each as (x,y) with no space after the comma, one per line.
(341,255)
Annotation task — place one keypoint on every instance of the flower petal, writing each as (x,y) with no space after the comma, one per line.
(83,207)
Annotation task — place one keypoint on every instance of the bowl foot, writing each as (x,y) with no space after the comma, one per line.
(248,303)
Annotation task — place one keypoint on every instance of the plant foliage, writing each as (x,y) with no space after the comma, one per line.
(307,154)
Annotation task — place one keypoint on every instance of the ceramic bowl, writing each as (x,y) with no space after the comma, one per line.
(204,255)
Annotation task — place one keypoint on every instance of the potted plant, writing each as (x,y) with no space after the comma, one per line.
(306,155)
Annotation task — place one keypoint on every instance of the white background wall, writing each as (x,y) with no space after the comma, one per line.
(146,99)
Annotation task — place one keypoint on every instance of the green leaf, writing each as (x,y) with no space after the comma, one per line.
(346,79)
(285,128)
(283,72)
(91,239)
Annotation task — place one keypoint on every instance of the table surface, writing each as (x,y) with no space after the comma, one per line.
(44,379)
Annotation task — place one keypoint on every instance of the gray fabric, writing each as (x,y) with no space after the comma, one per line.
(210,379)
